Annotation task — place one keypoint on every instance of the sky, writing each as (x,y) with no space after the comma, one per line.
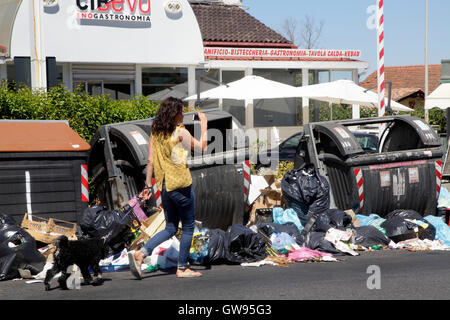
(345,27)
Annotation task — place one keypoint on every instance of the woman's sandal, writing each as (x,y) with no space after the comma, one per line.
(135,268)
(189,274)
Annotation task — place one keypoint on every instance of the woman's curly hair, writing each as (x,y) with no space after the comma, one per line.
(164,123)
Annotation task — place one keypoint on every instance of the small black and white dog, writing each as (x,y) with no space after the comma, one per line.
(84,253)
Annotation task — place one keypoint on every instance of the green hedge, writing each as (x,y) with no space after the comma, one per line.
(85,113)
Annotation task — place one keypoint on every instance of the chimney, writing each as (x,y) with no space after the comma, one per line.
(445,77)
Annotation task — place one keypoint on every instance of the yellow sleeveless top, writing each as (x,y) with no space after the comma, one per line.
(169,161)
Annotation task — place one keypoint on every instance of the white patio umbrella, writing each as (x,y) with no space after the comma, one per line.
(345,92)
(439,98)
(178,91)
(248,88)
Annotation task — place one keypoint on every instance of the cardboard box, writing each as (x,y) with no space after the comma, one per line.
(355,220)
(268,199)
(270,179)
(149,228)
(271,197)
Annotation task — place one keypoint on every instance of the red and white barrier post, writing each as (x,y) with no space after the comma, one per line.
(84,183)
(380,60)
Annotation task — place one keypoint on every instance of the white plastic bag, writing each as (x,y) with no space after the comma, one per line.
(165,255)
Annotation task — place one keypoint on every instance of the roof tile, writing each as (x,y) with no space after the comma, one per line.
(407,77)
(224,23)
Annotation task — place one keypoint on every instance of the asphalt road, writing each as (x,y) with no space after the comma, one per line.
(404,275)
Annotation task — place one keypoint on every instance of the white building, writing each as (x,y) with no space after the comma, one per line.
(159,47)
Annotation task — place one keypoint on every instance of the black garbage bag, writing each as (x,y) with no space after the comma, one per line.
(17,250)
(399,228)
(306,192)
(316,241)
(406,214)
(245,245)
(99,222)
(290,228)
(236,245)
(217,247)
(368,236)
(332,218)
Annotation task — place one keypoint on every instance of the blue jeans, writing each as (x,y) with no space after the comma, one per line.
(179,205)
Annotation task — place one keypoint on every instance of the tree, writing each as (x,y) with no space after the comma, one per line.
(289,29)
(311,32)
(305,33)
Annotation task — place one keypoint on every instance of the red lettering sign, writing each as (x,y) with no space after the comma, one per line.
(118,6)
(275,53)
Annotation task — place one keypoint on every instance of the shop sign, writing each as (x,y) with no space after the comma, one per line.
(114,10)
(282,53)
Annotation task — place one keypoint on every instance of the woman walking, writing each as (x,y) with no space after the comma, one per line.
(169,146)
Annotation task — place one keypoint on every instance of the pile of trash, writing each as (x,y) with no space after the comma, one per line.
(289,221)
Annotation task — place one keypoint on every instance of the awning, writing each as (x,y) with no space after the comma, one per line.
(439,98)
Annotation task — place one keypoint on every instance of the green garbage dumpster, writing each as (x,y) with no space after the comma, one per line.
(403,173)
(118,163)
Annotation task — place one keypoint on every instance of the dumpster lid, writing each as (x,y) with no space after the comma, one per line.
(342,137)
(36,136)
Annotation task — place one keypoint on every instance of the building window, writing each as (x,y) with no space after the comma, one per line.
(59,74)
(115,90)
(341,75)
(277,112)
(160,83)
